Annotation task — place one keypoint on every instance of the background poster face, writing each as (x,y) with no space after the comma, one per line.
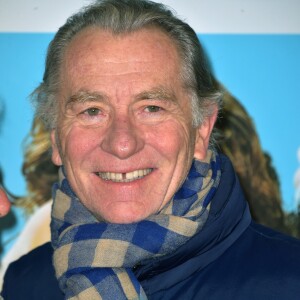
(254,48)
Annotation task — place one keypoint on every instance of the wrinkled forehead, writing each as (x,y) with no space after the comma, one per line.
(95,52)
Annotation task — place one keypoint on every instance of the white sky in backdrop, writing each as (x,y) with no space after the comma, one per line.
(205,16)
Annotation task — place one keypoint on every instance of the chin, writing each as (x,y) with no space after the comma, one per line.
(123,218)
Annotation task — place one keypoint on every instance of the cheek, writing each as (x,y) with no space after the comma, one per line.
(173,139)
(77,144)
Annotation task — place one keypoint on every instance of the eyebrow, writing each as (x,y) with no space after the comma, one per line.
(158,93)
(84,96)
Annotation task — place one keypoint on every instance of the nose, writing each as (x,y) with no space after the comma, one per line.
(122,139)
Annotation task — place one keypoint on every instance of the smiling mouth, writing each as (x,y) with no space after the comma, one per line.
(125,177)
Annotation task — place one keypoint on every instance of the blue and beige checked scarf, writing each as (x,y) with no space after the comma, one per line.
(94,260)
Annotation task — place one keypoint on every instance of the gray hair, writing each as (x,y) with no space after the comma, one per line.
(123,16)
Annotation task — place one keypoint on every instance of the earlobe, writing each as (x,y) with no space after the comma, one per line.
(203,135)
(56,158)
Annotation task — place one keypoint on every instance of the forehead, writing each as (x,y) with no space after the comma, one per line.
(148,48)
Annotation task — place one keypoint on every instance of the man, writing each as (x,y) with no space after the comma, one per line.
(145,208)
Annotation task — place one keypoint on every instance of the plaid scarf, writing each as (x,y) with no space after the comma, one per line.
(94,260)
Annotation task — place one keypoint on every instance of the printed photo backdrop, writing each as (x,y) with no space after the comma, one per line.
(254,48)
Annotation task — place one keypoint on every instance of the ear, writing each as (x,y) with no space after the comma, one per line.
(203,134)
(56,158)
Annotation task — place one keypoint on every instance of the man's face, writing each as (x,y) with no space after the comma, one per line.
(124,131)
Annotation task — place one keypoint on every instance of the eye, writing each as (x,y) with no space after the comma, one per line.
(92,116)
(153,109)
(93,111)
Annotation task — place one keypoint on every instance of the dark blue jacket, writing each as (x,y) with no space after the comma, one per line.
(231,258)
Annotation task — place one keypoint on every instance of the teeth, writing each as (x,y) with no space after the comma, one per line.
(124,177)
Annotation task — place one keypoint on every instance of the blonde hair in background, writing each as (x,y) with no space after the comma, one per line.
(39,171)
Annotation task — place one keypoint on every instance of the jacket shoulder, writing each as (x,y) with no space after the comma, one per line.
(275,251)
(32,275)
(262,264)
(271,238)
